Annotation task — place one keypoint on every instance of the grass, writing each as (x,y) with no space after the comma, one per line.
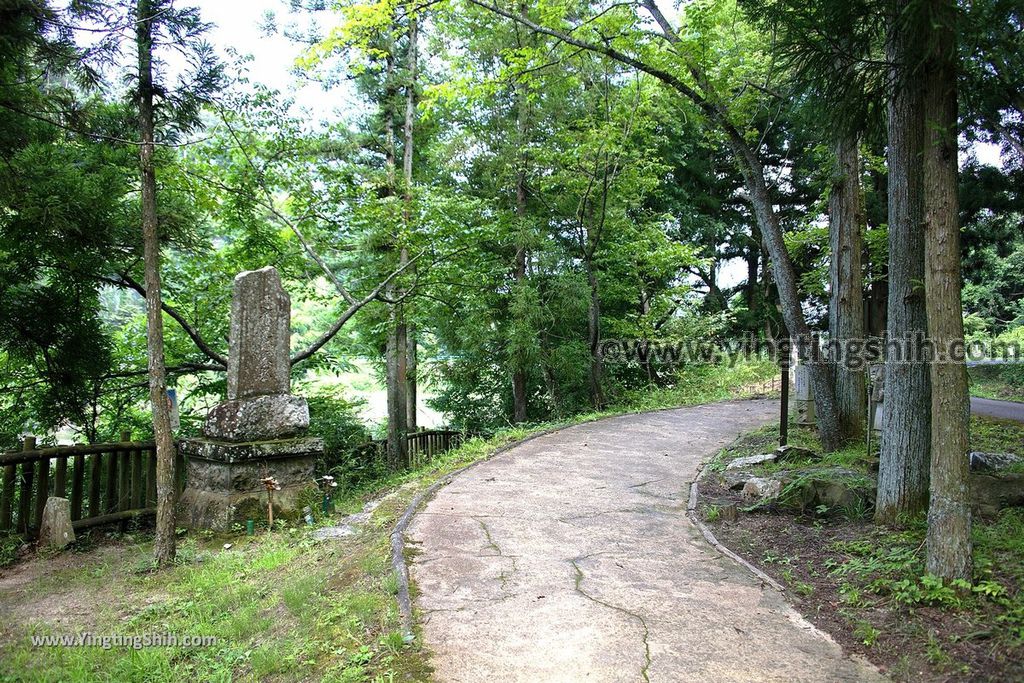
(281,605)
(1000,382)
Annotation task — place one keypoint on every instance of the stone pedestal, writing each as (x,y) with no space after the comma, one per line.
(225,480)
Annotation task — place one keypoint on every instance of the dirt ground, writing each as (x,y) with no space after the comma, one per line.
(919,643)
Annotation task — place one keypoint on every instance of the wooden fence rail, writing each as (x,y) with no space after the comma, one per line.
(109,482)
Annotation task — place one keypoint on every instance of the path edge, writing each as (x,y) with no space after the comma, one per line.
(709,536)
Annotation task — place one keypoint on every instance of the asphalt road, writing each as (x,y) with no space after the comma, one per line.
(1003,410)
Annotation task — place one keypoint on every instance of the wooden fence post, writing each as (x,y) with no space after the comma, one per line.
(110,490)
(7,497)
(95,481)
(77,485)
(60,479)
(28,474)
(138,489)
(151,479)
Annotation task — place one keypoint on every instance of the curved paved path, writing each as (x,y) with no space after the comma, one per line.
(571,558)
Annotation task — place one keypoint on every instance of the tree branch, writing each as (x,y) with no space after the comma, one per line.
(127,281)
(352,309)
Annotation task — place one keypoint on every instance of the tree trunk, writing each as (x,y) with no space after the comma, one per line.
(166,488)
(949,512)
(411,386)
(395,354)
(398,453)
(846,306)
(407,153)
(789,297)
(594,336)
(519,398)
(906,423)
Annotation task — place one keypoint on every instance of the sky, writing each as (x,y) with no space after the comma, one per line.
(237,26)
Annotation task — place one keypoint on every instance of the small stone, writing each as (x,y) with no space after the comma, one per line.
(750,460)
(55,530)
(227,546)
(333,532)
(992,462)
(758,488)
(729,513)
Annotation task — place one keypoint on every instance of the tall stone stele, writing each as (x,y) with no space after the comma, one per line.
(259,430)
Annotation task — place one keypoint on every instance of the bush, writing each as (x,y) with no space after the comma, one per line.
(337,422)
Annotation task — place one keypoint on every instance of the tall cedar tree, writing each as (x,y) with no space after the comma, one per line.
(949,510)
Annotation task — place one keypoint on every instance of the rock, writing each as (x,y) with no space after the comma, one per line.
(55,530)
(791,453)
(734,480)
(760,489)
(992,491)
(260,335)
(832,487)
(729,513)
(990,462)
(750,460)
(258,418)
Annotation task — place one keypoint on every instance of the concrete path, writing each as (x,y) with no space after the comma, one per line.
(571,558)
(1003,410)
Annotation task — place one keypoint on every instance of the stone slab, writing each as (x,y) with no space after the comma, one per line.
(228,452)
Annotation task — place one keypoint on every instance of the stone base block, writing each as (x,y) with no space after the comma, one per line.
(224,481)
(256,418)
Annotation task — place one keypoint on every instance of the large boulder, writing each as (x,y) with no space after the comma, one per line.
(992,491)
(829,487)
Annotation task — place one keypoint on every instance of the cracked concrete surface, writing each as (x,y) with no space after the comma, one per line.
(571,558)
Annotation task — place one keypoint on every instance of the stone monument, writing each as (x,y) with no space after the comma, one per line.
(258,431)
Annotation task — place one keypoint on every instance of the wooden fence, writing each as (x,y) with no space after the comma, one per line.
(423,445)
(114,482)
(110,482)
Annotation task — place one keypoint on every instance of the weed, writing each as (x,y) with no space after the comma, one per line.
(866,633)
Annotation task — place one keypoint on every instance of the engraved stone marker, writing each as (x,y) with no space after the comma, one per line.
(259,338)
(259,405)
